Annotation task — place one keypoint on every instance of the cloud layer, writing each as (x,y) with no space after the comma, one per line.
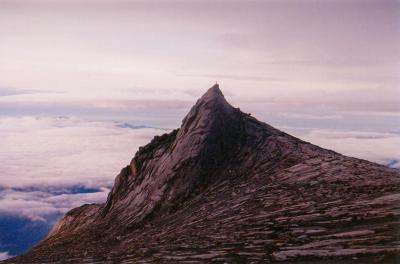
(380,147)
(46,151)
(53,164)
(45,206)
(42,156)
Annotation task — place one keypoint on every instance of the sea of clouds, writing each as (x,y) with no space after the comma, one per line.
(52,164)
(379,147)
(47,160)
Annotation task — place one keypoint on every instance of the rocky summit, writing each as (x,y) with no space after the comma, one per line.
(227,188)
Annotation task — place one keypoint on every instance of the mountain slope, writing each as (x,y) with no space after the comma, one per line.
(225,187)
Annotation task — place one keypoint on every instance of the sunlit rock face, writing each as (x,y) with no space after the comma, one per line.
(225,187)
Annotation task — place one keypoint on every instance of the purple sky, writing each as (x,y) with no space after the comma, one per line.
(71,55)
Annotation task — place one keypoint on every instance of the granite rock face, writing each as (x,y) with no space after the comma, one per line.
(227,188)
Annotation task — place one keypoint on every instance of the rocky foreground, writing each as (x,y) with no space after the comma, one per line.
(227,188)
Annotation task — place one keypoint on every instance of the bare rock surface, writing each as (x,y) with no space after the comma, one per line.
(227,188)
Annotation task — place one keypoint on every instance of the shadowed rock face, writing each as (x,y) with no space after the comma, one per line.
(225,187)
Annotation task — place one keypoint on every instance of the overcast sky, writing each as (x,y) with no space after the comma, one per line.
(92,57)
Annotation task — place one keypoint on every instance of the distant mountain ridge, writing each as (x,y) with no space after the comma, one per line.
(227,188)
(133,126)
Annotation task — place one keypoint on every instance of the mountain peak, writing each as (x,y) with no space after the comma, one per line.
(213,94)
(208,108)
(214,91)
(212,99)
(225,172)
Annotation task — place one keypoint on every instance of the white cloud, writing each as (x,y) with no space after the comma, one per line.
(4,255)
(380,147)
(41,205)
(309,116)
(65,151)
(44,157)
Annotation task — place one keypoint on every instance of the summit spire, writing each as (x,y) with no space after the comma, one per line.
(214,95)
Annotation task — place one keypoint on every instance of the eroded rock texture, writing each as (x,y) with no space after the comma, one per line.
(226,188)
